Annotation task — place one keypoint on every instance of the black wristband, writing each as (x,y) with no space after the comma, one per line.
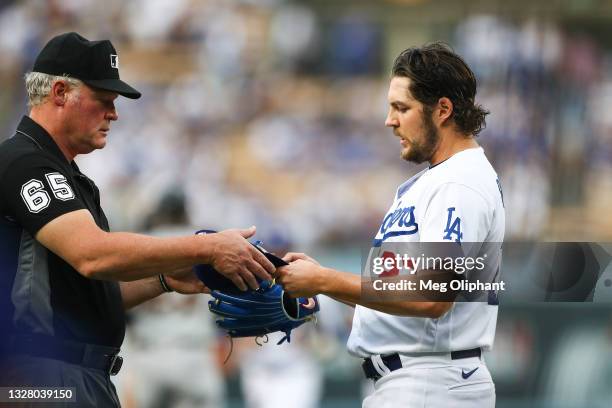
(164,284)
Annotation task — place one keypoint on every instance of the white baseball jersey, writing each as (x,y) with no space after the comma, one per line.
(458,199)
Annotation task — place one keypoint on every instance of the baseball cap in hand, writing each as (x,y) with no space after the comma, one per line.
(96,63)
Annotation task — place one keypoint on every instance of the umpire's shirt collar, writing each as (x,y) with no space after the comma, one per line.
(33,131)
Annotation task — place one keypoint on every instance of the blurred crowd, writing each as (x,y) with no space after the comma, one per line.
(271,112)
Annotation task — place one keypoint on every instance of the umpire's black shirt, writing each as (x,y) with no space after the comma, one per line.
(39,292)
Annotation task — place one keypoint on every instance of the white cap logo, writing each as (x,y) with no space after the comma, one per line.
(114,61)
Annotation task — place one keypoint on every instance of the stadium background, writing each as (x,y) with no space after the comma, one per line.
(270,112)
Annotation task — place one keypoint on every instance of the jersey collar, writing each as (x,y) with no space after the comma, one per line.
(437,164)
(33,131)
(465,150)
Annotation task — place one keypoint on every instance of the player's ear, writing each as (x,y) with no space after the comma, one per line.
(444,110)
(59,93)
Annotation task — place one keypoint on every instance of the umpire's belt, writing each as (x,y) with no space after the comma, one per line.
(391,362)
(83,354)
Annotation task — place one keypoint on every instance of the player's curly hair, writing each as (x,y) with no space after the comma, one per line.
(435,71)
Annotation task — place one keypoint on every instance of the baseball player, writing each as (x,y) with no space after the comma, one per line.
(65,280)
(425,353)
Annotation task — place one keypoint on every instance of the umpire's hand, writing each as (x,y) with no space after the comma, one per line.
(235,258)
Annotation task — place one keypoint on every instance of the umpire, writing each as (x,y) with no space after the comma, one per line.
(65,280)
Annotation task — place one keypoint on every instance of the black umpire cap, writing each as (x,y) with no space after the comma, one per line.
(96,63)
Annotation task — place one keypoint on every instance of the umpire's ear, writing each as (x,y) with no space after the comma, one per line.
(59,92)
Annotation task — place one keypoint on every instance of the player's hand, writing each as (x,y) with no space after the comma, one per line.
(235,258)
(294,256)
(301,278)
(185,281)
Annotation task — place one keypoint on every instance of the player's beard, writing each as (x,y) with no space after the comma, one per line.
(423,150)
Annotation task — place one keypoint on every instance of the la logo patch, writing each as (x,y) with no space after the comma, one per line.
(114,61)
(453,227)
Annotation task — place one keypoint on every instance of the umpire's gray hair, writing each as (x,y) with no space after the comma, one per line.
(38,85)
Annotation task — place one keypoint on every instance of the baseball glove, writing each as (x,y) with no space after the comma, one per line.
(255,313)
